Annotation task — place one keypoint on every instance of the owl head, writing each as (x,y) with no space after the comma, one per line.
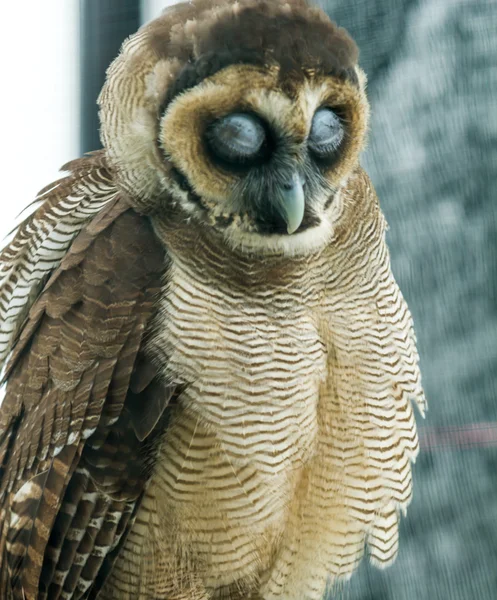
(244,118)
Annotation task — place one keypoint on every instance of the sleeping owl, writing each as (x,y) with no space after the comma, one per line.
(210,368)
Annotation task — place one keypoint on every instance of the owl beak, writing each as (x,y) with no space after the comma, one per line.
(293,202)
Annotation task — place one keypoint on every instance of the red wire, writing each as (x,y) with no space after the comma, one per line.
(470,435)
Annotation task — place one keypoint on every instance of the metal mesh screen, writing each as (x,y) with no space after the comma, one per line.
(433,159)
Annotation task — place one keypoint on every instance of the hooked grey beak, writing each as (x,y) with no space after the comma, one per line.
(293,202)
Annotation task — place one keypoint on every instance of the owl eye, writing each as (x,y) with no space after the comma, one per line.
(236,138)
(326,133)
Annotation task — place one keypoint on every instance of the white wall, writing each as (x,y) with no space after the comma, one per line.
(39,101)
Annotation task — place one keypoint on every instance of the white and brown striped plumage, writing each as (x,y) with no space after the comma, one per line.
(201,404)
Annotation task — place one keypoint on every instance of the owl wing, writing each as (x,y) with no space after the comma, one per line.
(82,398)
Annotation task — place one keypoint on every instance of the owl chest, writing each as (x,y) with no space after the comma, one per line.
(251,365)
(245,424)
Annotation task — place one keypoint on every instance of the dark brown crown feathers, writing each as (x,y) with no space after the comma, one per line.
(292,35)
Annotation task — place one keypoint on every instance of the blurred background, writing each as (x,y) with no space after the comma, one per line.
(432,156)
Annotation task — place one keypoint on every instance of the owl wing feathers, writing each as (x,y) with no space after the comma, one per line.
(42,240)
(82,401)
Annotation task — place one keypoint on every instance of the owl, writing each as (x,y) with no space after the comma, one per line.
(210,369)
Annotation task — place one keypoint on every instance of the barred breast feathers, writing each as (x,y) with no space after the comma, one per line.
(355,433)
(360,477)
